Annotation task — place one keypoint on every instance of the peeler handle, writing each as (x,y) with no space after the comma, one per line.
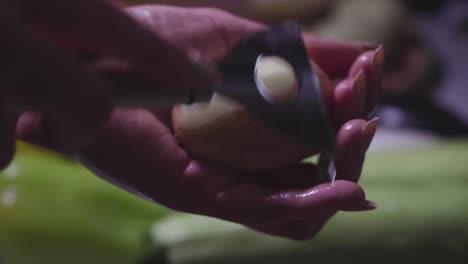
(132,90)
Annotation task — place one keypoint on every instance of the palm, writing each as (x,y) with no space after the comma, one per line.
(149,160)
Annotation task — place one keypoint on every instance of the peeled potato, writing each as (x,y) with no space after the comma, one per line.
(276,79)
(223,131)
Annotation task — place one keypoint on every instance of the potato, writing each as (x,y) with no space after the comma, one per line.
(223,131)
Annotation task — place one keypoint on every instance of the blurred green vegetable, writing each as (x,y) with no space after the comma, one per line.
(422,218)
(54,211)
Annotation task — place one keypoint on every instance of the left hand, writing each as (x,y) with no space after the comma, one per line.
(138,149)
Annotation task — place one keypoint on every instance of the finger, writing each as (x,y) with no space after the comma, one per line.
(349,99)
(207,33)
(252,205)
(74,104)
(334,57)
(7,134)
(308,228)
(371,63)
(353,141)
(100,26)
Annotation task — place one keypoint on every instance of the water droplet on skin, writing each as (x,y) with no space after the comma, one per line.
(281,196)
(312,192)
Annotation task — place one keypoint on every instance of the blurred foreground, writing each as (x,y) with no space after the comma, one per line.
(54,211)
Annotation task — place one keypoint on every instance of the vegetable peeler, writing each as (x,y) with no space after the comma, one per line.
(303,118)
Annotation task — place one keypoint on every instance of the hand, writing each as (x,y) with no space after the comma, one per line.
(41,66)
(138,150)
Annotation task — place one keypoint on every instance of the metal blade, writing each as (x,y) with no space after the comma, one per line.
(303,119)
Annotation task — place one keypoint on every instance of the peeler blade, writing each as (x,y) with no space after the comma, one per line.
(304,118)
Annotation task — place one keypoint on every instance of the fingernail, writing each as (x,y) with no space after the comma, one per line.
(359,90)
(364,206)
(379,58)
(369,46)
(368,133)
(367,206)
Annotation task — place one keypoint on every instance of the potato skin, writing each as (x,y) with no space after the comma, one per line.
(223,131)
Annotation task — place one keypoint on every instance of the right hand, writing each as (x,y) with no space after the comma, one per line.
(41,67)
